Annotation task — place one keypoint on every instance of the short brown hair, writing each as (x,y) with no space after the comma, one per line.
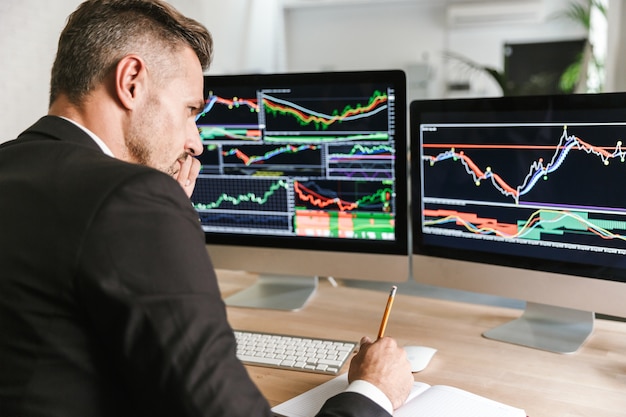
(101,32)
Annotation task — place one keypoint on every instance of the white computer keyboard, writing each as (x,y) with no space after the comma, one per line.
(291,352)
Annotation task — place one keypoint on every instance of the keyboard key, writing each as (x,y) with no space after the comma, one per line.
(258,360)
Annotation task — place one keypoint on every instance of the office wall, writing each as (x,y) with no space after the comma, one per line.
(248,34)
(412,34)
(28,34)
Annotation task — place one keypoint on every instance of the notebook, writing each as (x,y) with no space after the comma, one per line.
(424,400)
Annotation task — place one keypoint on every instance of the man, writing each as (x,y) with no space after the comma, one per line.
(109,304)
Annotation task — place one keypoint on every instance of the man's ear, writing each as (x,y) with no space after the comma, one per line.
(130,77)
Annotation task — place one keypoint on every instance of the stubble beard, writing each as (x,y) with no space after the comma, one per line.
(140,153)
(140,146)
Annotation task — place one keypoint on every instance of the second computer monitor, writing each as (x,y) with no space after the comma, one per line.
(523,197)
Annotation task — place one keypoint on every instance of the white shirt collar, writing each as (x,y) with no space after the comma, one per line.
(93,136)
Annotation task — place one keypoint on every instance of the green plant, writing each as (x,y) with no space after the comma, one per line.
(497,75)
(581,13)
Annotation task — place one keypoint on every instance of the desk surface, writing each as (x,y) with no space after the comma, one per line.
(591,382)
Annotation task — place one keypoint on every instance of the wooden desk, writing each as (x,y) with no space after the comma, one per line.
(589,383)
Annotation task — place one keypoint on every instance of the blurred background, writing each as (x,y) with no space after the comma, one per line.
(448,48)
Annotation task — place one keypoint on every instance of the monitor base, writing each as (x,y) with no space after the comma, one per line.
(276,292)
(545,327)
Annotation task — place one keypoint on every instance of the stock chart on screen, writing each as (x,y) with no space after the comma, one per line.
(300,155)
(534,181)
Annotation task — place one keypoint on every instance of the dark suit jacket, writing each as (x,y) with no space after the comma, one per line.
(109,304)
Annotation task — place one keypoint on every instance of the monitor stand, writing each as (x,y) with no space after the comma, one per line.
(276,292)
(545,327)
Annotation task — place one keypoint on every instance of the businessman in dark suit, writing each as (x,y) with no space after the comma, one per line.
(109,304)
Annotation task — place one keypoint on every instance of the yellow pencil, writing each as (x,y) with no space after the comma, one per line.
(383,323)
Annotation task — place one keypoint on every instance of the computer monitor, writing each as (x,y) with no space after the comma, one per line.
(524,197)
(304,175)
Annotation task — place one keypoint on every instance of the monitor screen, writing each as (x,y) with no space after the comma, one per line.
(305,174)
(532,184)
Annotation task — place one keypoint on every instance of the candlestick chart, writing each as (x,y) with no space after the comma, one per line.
(546,184)
(299,160)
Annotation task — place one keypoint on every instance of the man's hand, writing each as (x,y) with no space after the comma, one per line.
(384,364)
(189,170)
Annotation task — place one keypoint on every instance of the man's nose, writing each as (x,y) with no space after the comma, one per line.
(194,143)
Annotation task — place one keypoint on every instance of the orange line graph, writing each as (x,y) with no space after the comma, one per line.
(320,201)
(481,174)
